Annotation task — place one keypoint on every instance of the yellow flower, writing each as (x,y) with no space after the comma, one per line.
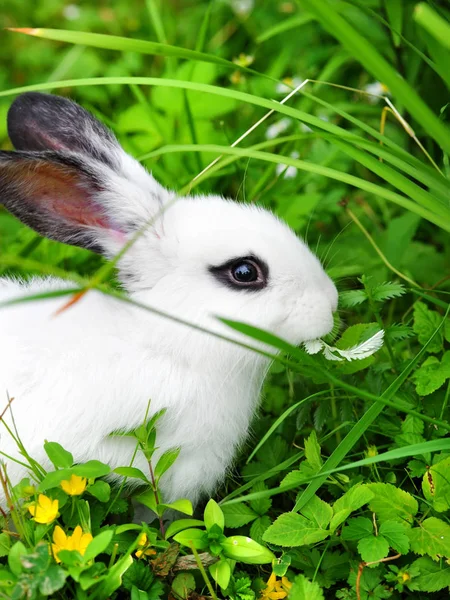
(77,541)
(142,542)
(276,590)
(75,486)
(45,510)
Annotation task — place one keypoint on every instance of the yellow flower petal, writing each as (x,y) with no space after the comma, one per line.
(74,486)
(59,537)
(45,510)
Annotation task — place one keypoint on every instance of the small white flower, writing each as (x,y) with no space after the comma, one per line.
(288,84)
(242,7)
(357,352)
(71,12)
(376,89)
(289,172)
(274,130)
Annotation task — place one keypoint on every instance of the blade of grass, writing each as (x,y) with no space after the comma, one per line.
(429,19)
(365,53)
(284,26)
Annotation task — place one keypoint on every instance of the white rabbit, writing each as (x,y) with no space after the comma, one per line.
(91,370)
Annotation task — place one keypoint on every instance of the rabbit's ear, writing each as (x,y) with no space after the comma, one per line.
(40,122)
(60,197)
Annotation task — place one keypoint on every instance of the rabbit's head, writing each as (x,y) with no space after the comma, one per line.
(196,257)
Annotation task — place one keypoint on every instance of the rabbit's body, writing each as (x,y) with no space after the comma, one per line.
(98,356)
(79,375)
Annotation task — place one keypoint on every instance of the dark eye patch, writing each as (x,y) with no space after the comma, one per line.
(243,273)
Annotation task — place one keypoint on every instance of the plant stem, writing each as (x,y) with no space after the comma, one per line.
(203,572)
(156,494)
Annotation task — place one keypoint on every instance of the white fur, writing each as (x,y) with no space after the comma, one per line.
(78,376)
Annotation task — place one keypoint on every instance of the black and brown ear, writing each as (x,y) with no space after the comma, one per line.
(56,195)
(39,122)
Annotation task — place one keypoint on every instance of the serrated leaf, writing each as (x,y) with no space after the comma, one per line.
(392,504)
(432,374)
(399,332)
(432,577)
(395,534)
(312,452)
(237,515)
(352,298)
(388,290)
(304,589)
(354,498)
(426,322)
(292,529)
(357,529)
(259,527)
(373,548)
(260,505)
(436,485)
(318,512)
(432,537)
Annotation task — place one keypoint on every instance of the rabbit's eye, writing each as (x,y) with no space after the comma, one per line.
(245,272)
(248,273)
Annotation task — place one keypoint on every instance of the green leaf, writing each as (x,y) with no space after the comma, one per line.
(373,548)
(181,524)
(318,512)
(53,580)
(91,469)
(352,298)
(432,537)
(183,505)
(98,545)
(312,452)
(391,503)
(54,478)
(165,461)
(243,549)
(395,533)
(183,585)
(133,472)
(304,589)
(394,10)
(100,490)
(354,498)
(260,505)
(426,322)
(436,485)
(388,290)
(221,572)
(213,515)
(237,515)
(14,562)
(432,374)
(432,577)
(259,527)
(5,544)
(292,529)
(192,537)
(357,529)
(58,456)
(114,578)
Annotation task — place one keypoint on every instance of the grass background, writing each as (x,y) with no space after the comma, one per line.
(316,163)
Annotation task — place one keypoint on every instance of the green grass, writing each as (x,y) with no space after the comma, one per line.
(348,463)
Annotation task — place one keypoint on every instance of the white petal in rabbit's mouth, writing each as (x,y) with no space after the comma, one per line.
(357,352)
